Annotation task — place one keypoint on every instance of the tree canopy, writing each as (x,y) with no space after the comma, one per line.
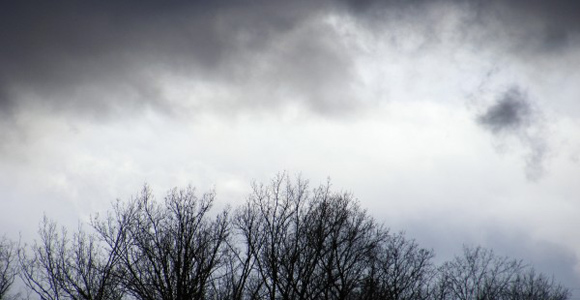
(286,241)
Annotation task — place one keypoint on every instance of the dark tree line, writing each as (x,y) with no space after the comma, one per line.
(286,241)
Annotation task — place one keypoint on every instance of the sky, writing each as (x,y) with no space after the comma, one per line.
(454,121)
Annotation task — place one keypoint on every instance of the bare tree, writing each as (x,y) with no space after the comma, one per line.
(285,242)
(170,250)
(61,268)
(531,285)
(349,239)
(41,272)
(8,266)
(90,272)
(400,269)
(477,274)
(267,231)
(302,244)
(480,274)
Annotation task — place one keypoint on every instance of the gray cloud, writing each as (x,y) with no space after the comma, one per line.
(5,102)
(536,27)
(72,56)
(513,115)
(108,59)
(520,28)
(94,58)
(559,14)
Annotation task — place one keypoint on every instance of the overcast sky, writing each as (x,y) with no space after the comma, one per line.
(456,121)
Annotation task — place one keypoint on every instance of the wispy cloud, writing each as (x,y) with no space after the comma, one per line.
(514,115)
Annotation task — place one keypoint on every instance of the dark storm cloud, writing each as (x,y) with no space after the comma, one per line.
(558,15)
(104,57)
(100,56)
(513,115)
(535,26)
(5,101)
(510,113)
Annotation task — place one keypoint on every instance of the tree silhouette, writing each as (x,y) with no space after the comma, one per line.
(303,244)
(168,250)
(60,268)
(399,269)
(286,241)
(530,285)
(480,274)
(8,266)
(477,274)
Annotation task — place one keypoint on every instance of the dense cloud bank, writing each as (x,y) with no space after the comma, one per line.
(102,58)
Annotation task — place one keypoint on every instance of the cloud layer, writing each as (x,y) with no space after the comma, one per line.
(109,58)
(101,57)
(98,97)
